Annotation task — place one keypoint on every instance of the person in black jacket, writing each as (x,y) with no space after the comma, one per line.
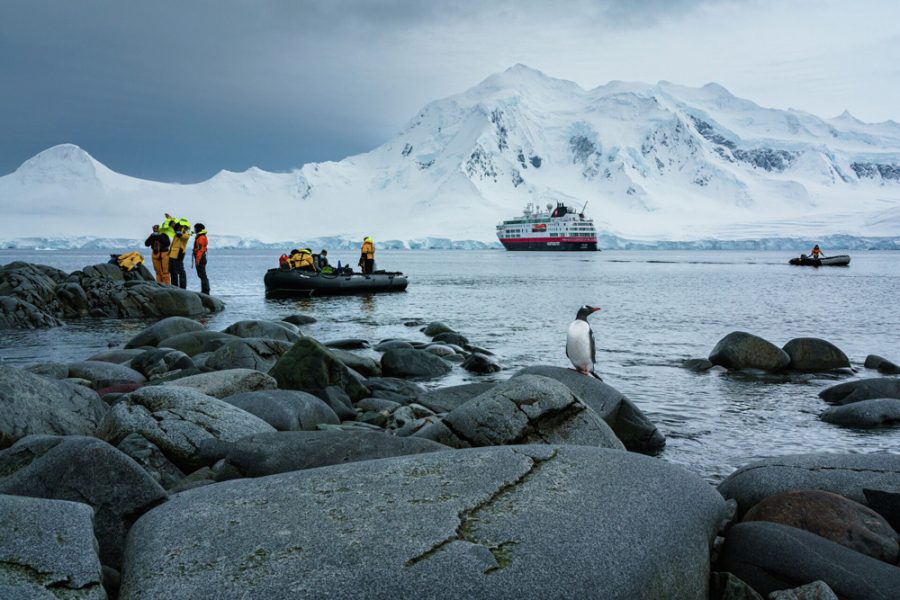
(158,243)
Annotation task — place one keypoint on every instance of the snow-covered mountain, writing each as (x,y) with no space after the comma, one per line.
(652,162)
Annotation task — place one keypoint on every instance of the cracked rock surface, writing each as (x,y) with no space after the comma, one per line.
(48,550)
(501,522)
(843,474)
(178,420)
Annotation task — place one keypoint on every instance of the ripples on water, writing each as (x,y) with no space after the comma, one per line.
(658,308)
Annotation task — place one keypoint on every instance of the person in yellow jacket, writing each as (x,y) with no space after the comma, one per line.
(159,242)
(302,259)
(367,255)
(177,251)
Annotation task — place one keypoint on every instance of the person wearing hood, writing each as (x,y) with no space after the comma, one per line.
(302,259)
(199,256)
(158,242)
(182,233)
(367,255)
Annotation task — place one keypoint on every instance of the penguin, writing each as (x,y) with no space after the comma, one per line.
(580,347)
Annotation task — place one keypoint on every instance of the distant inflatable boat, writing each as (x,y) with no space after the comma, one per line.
(283,283)
(842,260)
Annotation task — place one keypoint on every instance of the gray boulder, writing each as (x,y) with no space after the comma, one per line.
(527,410)
(31,404)
(104,374)
(270,330)
(740,350)
(82,469)
(339,401)
(861,389)
(393,344)
(481,363)
(392,388)
(627,421)
(178,420)
(151,459)
(456,339)
(363,365)
(120,356)
(883,365)
(817,590)
(436,327)
(772,557)
(401,362)
(271,453)
(843,474)
(507,522)
(865,413)
(193,343)
(442,400)
(153,335)
(220,384)
(16,313)
(309,366)
(442,350)
(814,354)
(159,361)
(285,410)
(697,365)
(299,319)
(247,353)
(49,369)
(348,344)
(48,550)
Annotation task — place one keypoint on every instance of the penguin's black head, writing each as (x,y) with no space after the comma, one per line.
(585,311)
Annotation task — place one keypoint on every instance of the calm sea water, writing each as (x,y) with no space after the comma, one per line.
(658,308)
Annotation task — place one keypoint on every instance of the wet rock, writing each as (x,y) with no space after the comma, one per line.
(311,367)
(193,343)
(146,454)
(285,410)
(873,361)
(527,410)
(82,469)
(886,503)
(299,319)
(861,389)
(698,365)
(865,413)
(166,328)
(247,353)
(338,400)
(393,344)
(451,338)
(104,374)
(270,330)
(817,590)
(51,370)
(178,420)
(483,523)
(47,550)
(814,354)
(725,586)
(220,384)
(392,388)
(772,557)
(16,313)
(31,404)
(413,363)
(436,328)
(364,365)
(627,421)
(378,404)
(481,363)
(369,417)
(443,400)
(119,357)
(740,350)
(843,474)
(159,361)
(271,453)
(833,517)
(348,344)
(442,350)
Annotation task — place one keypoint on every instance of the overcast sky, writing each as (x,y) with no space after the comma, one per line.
(176,89)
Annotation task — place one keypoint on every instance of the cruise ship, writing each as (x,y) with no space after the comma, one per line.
(559,228)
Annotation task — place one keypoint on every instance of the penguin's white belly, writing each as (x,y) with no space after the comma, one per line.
(578,345)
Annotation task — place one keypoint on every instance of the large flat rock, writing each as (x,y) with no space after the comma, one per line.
(221,384)
(861,389)
(843,474)
(503,522)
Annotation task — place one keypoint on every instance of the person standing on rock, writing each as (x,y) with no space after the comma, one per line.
(177,251)
(158,243)
(199,256)
(367,255)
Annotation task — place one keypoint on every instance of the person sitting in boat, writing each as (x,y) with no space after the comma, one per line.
(322,260)
(302,259)
(816,252)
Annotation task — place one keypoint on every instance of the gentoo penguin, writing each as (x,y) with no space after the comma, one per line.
(580,342)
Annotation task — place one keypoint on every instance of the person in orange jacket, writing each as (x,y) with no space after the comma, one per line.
(200,244)
(367,255)
(816,252)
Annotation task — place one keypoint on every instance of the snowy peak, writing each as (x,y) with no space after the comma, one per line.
(65,164)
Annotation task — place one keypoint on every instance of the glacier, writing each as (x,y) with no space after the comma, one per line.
(657,166)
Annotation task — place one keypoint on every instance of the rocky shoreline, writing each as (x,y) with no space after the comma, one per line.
(257,461)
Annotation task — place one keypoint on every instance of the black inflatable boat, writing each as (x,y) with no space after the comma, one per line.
(841,260)
(283,283)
